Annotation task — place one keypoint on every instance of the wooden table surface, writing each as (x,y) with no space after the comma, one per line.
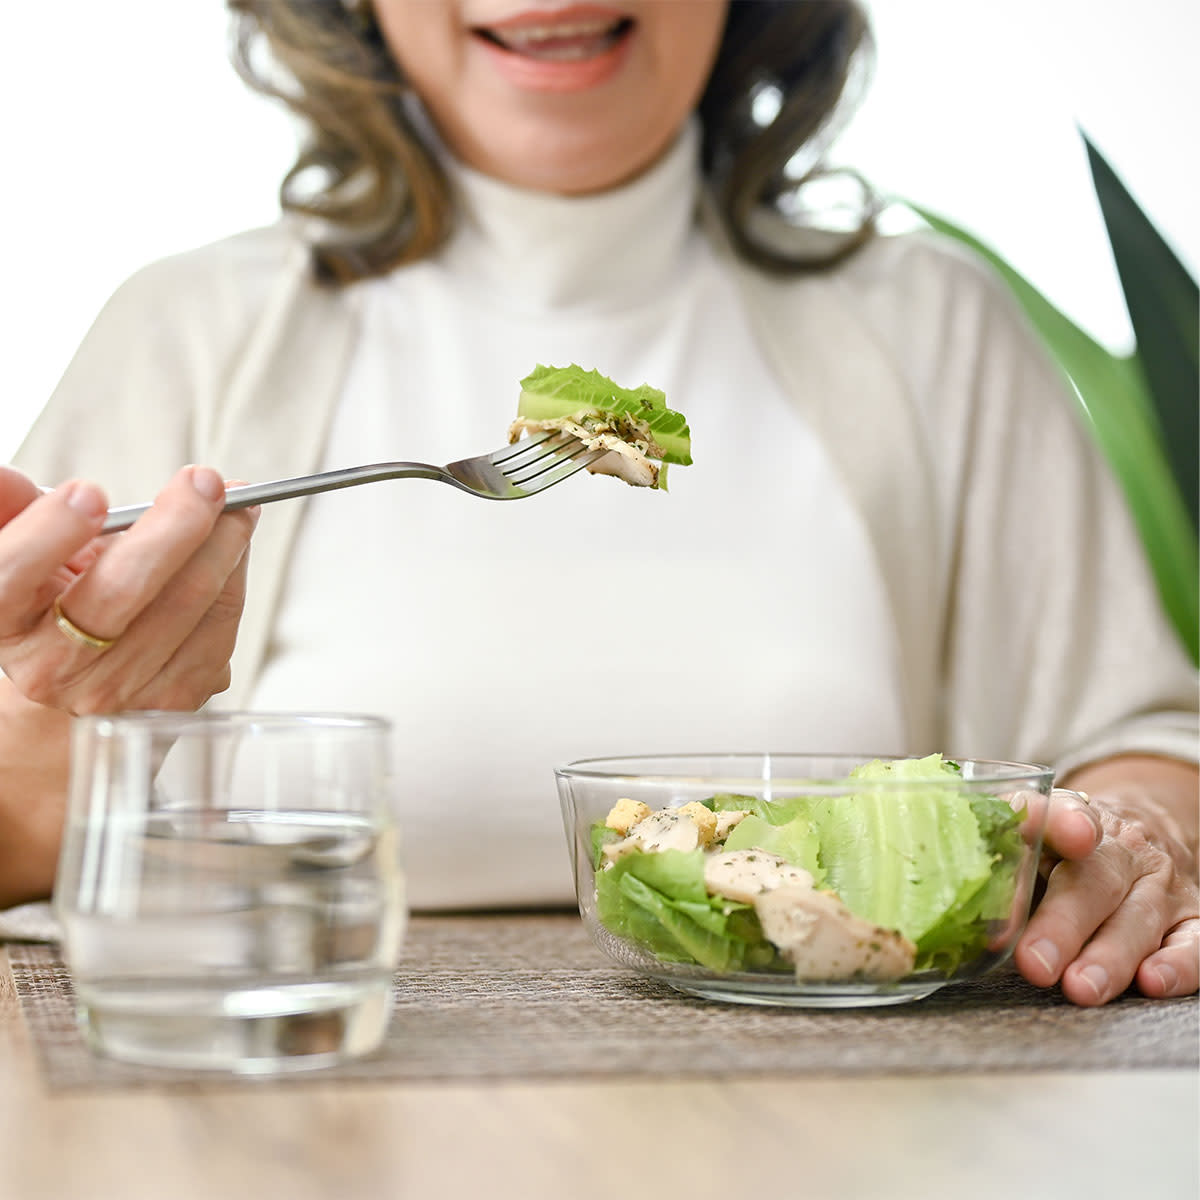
(1046,1134)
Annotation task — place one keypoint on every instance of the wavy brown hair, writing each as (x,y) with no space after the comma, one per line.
(787,74)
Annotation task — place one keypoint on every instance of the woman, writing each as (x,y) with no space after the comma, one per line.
(896,536)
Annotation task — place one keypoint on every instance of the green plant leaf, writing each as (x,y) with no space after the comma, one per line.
(1164,308)
(1115,396)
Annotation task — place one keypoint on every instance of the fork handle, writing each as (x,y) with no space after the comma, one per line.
(249,494)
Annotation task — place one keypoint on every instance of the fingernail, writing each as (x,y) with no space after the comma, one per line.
(1096,977)
(1046,952)
(86,499)
(208,483)
(1168,977)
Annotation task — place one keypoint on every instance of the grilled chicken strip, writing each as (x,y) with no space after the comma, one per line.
(628,441)
(813,929)
(744,875)
(826,941)
(665,829)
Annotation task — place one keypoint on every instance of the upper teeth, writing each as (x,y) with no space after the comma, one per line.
(541,33)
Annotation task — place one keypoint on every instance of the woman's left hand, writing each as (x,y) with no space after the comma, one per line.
(1120,903)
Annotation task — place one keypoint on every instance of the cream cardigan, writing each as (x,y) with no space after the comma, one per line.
(1024,610)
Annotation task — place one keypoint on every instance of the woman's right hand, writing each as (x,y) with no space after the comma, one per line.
(168,593)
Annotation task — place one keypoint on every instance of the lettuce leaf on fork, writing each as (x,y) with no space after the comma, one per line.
(635,424)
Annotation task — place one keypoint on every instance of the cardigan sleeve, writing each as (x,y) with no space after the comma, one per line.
(142,393)
(121,414)
(228,355)
(1055,644)
(1027,621)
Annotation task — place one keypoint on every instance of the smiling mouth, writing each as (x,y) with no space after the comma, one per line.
(561,41)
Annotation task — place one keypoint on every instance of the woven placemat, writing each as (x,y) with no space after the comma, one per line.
(507,996)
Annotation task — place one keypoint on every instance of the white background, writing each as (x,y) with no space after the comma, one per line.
(127,136)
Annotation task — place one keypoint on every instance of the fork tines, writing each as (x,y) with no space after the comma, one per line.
(539,461)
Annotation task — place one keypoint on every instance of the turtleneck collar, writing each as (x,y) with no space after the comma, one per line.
(537,251)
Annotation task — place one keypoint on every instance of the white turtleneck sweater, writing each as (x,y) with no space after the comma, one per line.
(598,619)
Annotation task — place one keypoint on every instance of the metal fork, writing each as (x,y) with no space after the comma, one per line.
(513,472)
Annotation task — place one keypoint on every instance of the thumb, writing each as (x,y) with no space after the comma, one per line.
(1073,827)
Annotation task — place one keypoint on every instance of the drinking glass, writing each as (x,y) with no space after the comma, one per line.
(230,889)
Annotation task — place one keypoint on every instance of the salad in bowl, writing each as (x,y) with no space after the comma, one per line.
(804,880)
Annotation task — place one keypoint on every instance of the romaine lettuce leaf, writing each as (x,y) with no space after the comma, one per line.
(601,836)
(900,859)
(548,393)
(935,864)
(659,901)
(733,802)
(795,840)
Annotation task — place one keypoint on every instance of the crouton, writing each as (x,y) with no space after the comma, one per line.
(625,814)
(706,821)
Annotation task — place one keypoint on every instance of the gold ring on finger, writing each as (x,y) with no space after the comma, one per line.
(77,635)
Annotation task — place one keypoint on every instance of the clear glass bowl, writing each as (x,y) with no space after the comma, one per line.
(952,860)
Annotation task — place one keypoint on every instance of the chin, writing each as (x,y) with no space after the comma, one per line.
(570,160)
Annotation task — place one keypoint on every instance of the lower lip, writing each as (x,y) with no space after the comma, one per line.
(571,75)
